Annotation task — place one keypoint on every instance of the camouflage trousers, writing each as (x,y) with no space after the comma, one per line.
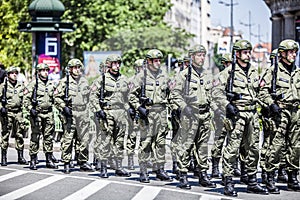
(286,133)
(77,136)
(242,142)
(12,126)
(219,138)
(193,136)
(131,137)
(43,126)
(153,137)
(112,134)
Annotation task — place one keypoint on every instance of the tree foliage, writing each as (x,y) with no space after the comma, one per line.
(132,26)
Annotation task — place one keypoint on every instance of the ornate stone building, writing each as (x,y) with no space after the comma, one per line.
(285,20)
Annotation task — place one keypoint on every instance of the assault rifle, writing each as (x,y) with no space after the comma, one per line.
(34,98)
(68,101)
(144,100)
(4,102)
(188,79)
(274,78)
(231,96)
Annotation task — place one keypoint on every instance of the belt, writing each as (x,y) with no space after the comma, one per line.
(14,110)
(43,111)
(79,107)
(289,105)
(114,107)
(157,107)
(247,108)
(203,109)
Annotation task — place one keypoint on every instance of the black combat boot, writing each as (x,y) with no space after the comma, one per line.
(282,175)
(3,157)
(97,164)
(236,170)
(54,159)
(112,163)
(21,159)
(175,168)
(85,166)
(254,187)
(120,171)
(154,168)
(229,187)
(162,174)
(33,162)
(144,178)
(103,170)
(192,165)
(215,168)
(72,164)
(270,184)
(204,181)
(183,181)
(130,162)
(67,168)
(49,161)
(244,176)
(264,177)
(293,183)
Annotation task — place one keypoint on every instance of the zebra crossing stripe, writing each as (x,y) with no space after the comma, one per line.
(147,193)
(87,190)
(11,175)
(31,188)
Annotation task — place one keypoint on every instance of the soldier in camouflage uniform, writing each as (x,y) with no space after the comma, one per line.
(283,102)
(39,101)
(219,114)
(192,96)
(109,101)
(133,127)
(71,97)
(11,116)
(150,101)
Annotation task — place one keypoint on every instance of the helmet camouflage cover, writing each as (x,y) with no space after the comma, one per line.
(42,66)
(12,69)
(242,45)
(197,49)
(138,63)
(113,58)
(273,54)
(227,57)
(154,53)
(288,44)
(75,62)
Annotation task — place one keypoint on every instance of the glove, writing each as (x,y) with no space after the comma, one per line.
(101,114)
(275,109)
(67,111)
(3,111)
(231,111)
(131,112)
(176,113)
(33,112)
(144,112)
(187,111)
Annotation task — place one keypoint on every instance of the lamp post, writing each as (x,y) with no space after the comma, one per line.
(249,25)
(231,4)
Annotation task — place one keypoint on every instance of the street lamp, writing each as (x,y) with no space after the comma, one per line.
(231,4)
(250,25)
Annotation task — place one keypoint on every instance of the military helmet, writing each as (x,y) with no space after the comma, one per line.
(75,62)
(138,63)
(113,58)
(242,45)
(154,53)
(288,44)
(197,49)
(273,54)
(12,69)
(42,66)
(227,57)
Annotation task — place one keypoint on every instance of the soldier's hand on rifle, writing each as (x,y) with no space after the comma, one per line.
(231,111)
(101,114)
(33,112)
(144,112)
(275,109)
(131,112)
(3,111)
(67,111)
(176,113)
